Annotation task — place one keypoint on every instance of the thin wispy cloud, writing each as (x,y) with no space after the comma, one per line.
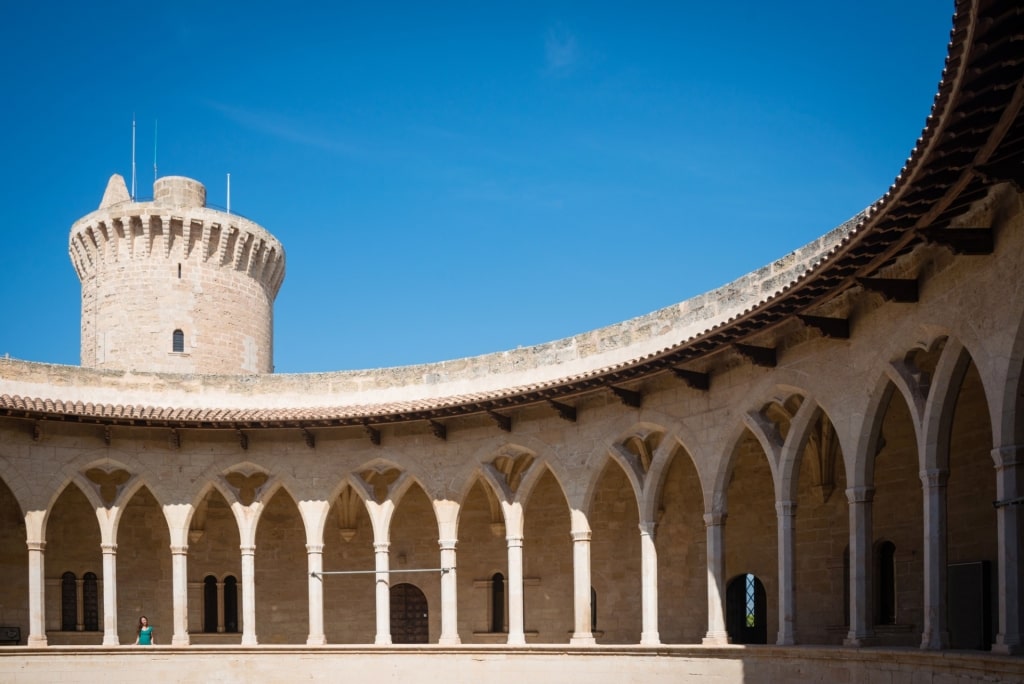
(290,130)
(561,52)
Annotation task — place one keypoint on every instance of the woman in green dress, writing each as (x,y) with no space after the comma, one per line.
(145,633)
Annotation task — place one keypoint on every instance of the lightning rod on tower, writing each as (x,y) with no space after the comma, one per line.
(133,157)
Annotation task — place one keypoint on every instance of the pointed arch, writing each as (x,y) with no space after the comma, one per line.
(938,411)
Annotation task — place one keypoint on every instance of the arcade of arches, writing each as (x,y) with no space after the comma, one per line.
(828,451)
(843,510)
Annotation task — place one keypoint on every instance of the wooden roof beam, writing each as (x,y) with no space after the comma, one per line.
(503,422)
(630,398)
(694,379)
(836,328)
(968,241)
(903,290)
(372,433)
(759,356)
(565,412)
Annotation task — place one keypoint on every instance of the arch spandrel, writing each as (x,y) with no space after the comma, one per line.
(537,473)
(507,468)
(491,495)
(637,452)
(716,494)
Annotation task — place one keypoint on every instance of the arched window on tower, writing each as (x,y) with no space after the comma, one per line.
(178,342)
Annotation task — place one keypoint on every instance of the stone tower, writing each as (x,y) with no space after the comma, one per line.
(173,286)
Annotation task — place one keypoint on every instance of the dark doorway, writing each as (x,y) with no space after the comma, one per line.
(408,615)
(746,610)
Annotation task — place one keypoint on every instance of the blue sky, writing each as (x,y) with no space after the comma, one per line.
(457,178)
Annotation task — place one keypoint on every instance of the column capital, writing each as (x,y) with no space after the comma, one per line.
(179,550)
(447,544)
(934,477)
(248,550)
(514,542)
(582,535)
(1008,456)
(716,519)
(785,508)
(314,548)
(36,545)
(860,494)
(381,547)
(108,548)
(648,528)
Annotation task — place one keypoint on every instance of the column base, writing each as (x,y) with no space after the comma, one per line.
(583,639)
(449,641)
(111,640)
(516,640)
(249,640)
(650,639)
(716,639)
(180,640)
(382,640)
(941,643)
(1002,648)
(316,640)
(36,641)
(860,641)
(785,640)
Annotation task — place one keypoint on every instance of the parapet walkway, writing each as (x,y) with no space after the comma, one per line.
(431,664)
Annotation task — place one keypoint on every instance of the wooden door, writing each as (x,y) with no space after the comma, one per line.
(409,616)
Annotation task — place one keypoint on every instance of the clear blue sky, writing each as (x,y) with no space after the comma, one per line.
(457,178)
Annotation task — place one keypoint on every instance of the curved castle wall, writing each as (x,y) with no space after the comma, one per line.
(172,286)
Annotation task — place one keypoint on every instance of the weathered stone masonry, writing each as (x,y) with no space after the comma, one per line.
(827,451)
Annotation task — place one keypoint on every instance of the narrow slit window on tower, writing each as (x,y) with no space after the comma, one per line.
(178,341)
(179,271)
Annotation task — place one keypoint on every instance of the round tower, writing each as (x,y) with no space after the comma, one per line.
(173,286)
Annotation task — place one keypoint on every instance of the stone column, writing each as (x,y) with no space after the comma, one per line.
(110,637)
(220,606)
(516,629)
(80,604)
(249,596)
(649,585)
(1010,532)
(714,525)
(861,631)
(582,635)
(786,520)
(179,588)
(382,566)
(36,593)
(449,605)
(315,565)
(935,635)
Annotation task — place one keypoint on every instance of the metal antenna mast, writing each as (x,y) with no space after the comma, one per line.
(155,122)
(133,156)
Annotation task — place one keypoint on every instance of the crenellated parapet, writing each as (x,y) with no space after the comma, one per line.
(173,285)
(178,226)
